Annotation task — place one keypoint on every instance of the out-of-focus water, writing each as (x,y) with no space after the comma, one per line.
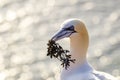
(27,25)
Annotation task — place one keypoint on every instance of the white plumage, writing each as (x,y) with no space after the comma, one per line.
(85,72)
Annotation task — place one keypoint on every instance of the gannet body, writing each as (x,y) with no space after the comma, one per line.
(85,72)
(76,30)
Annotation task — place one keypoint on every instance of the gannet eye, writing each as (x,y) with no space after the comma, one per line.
(71,28)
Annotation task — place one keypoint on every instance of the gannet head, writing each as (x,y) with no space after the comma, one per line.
(69,27)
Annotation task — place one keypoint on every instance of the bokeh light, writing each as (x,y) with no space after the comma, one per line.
(27,25)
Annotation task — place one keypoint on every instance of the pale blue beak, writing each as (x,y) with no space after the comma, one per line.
(63,33)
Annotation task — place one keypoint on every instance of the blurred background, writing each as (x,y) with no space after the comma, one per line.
(27,25)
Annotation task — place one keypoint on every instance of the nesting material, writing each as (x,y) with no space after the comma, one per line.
(56,51)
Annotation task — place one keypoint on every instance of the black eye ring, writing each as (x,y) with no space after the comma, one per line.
(71,28)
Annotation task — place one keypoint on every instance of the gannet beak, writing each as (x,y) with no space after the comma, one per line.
(63,33)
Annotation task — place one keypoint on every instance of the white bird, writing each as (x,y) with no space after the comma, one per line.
(76,30)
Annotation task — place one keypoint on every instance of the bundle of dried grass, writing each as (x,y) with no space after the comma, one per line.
(56,51)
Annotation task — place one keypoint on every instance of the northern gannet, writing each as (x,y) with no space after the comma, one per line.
(76,30)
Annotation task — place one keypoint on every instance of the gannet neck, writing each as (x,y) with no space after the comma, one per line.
(80,69)
(78,46)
